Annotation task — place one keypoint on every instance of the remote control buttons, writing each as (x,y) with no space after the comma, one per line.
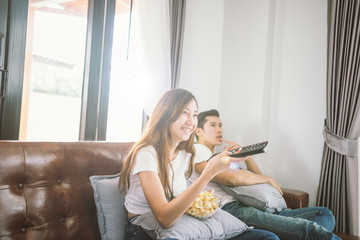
(235,151)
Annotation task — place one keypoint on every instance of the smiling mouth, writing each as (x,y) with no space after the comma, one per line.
(187,130)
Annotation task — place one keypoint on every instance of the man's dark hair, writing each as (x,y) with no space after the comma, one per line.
(202,116)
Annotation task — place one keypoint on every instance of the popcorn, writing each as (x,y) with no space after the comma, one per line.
(203,206)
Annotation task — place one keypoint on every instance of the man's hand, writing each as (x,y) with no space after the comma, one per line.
(275,184)
(231,145)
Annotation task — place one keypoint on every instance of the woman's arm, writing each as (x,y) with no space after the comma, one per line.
(166,212)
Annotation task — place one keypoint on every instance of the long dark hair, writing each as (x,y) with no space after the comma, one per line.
(157,134)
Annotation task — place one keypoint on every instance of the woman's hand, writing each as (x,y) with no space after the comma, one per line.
(220,163)
(250,163)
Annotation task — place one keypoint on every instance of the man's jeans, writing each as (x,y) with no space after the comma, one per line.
(256,234)
(303,223)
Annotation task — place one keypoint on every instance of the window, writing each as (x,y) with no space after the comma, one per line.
(124,121)
(54,67)
(66,85)
(75,80)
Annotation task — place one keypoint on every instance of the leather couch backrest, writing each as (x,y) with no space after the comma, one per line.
(45,192)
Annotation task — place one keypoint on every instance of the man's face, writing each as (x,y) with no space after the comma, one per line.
(211,134)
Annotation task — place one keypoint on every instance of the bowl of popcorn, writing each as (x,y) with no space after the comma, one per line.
(204,206)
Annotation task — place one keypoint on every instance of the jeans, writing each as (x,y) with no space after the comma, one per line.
(256,234)
(135,232)
(304,223)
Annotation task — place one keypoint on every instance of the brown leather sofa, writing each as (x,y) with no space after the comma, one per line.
(45,192)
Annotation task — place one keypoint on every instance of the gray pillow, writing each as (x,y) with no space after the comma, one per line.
(261,196)
(109,201)
(222,225)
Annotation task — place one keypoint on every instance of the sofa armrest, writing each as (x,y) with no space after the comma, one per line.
(295,198)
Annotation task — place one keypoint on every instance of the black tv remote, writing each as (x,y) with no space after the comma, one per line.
(247,150)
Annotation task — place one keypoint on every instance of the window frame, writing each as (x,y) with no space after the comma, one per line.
(14,64)
(96,82)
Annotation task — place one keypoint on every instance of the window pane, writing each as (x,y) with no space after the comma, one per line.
(54,66)
(125,102)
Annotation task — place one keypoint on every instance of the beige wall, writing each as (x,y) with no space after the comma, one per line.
(202,55)
(263,65)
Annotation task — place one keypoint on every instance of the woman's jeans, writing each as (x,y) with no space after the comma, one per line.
(135,232)
(303,223)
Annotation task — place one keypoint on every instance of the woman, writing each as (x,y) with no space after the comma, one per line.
(153,175)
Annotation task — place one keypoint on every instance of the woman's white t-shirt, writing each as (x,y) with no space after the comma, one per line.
(203,153)
(146,160)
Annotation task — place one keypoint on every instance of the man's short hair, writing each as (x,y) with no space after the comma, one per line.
(202,117)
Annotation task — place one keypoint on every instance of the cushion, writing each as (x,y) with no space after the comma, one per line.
(109,201)
(222,225)
(261,196)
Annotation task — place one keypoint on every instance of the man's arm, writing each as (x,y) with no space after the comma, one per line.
(239,178)
(252,166)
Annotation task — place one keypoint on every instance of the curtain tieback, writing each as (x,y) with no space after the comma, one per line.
(341,145)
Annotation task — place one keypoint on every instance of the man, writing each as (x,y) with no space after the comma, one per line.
(304,223)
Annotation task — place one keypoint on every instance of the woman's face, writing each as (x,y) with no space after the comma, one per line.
(185,124)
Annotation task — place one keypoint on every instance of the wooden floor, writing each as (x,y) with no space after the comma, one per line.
(347,236)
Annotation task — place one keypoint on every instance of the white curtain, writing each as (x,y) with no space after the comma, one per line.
(149,50)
